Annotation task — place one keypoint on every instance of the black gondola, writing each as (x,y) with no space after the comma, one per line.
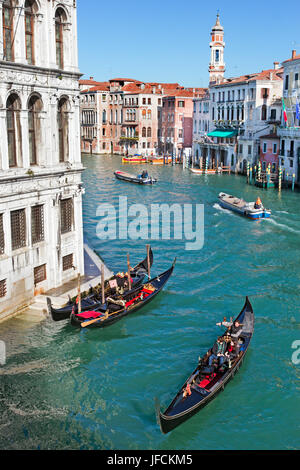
(132,301)
(201,392)
(92,300)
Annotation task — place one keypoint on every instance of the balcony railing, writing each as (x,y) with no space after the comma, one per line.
(227,124)
(132,138)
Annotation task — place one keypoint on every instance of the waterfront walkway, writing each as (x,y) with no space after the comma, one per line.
(59,296)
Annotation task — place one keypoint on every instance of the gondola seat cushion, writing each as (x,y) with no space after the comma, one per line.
(90,314)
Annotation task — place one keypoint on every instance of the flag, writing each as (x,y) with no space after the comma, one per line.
(284,111)
(297,110)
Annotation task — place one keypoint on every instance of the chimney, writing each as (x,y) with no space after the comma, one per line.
(293,54)
(91,78)
(276,65)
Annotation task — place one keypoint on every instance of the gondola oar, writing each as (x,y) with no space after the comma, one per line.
(148,260)
(79,294)
(90,322)
(102,284)
(129,276)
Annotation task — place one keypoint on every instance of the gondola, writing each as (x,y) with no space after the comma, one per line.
(115,309)
(122,175)
(203,385)
(242,207)
(92,300)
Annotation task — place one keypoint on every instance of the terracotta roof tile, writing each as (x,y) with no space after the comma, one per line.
(271,74)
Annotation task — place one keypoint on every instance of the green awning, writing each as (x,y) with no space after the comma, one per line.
(227,134)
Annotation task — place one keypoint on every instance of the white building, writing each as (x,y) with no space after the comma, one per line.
(201,124)
(249,106)
(41,237)
(289,132)
(241,110)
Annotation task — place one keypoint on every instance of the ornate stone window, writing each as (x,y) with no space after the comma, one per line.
(40,274)
(66,215)
(67,262)
(2,240)
(8,28)
(18,229)
(37,224)
(34,128)
(13,107)
(60,18)
(63,130)
(30,10)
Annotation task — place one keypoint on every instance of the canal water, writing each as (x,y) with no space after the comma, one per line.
(62,388)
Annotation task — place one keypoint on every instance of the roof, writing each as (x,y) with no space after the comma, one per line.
(89,82)
(102,86)
(271,74)
(270,136)
(295,57)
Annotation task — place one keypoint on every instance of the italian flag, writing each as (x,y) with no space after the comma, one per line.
(284,111)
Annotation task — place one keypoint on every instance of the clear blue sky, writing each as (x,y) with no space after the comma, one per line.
(168,40)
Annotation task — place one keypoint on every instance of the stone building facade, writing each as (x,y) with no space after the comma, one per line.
(289,131)
(41,236)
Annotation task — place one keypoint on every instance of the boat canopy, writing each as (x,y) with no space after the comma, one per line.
(227,134)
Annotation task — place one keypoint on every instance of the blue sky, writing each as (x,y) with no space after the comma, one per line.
(168,40)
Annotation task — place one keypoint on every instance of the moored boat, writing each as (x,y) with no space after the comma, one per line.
(115,309)
(140,179)
(206,382)
(160,160)
(134,159)
(247,209)
(92,299)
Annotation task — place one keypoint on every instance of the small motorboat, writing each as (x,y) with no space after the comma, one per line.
(144,178)
(248,209)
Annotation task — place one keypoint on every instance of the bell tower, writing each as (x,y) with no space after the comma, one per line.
(217,66)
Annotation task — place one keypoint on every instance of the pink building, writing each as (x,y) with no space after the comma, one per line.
(269,151)
(176,136)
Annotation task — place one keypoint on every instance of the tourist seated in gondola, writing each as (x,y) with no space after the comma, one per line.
(234,329)
(144,174)
(218,352)
(258,204)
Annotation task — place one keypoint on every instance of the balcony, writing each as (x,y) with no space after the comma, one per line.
(133,138)
(225,124)
(291,132)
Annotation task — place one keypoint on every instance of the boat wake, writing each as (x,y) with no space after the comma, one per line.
(218,207)
(283,226)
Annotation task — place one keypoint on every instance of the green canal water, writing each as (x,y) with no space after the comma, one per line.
(62,388)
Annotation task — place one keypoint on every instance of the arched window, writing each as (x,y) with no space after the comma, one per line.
(59,40)
(144,132)
(13,107)
(149,132)
(104,117)
(149,114)
(34,128)
(8,27)
(30,9)
(63,130)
